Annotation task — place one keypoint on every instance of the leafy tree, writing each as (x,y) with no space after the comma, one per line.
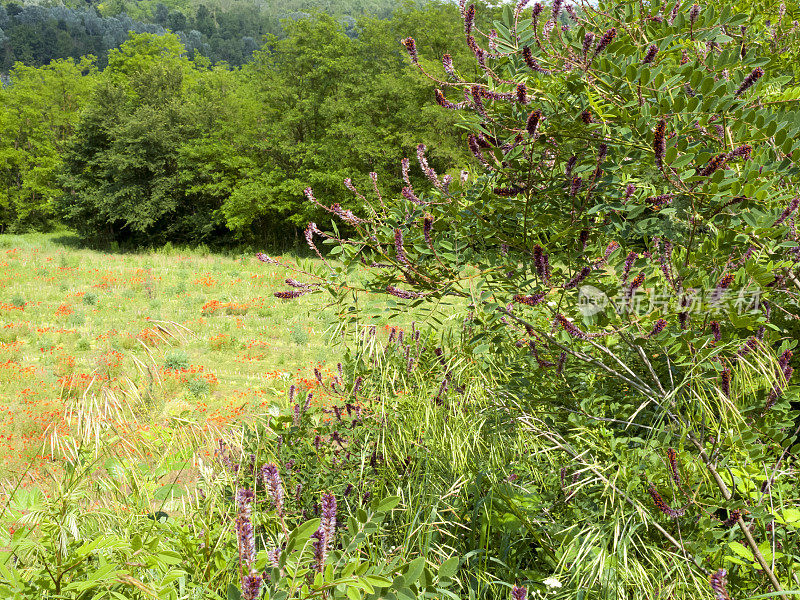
(122,163)
(38,115)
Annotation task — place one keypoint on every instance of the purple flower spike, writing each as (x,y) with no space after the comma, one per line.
(570,328)
(578,278)
(607,38)
(672,456)
(519,593)
(244,526)
(251,587)
(788,211)
(411,47)
(658,327)
(272,480)
(319,546)
(651,54)
(749,81)
(694,12)
(718,582)
(328,518)
(659,141)
(661,505)
(588,40)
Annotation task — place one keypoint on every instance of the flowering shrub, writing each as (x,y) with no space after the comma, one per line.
(624,251)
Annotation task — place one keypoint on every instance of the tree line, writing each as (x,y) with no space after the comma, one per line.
(163,146)
(36,34)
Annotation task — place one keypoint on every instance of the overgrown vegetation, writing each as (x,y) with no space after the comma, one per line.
(565,372)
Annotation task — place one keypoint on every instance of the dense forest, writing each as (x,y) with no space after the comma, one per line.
(153,142)
(35,34)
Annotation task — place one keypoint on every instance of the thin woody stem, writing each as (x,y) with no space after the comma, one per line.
(751,542)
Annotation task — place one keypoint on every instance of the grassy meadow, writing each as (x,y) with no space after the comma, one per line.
(197,338)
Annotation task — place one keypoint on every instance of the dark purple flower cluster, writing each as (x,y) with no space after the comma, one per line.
(527,56)
(749,81)
(544,364)
(626,268)
(612,247)
(578,278)
(570,165)
(733,518)
(290,294)
(744,151)
(662,505)
(447,63)
(714,164)
(507,192)
(475,148)
(319,550)
(658,327)
(444,102)
(532,124)
(749,346)
(788,211)
(398,247)
(246,538)
(404,294)
(469,19)
(427,227)
(651,54)
(311,229)
(725,381)
(409,195)
(575,185)
(411,47)
(784,374)
(522,93)
(674,14)
(660,141)
(723,284)
(715,330)
(296,284)
(426,168)
(694,13)
(588,40)
(636,283)
(672,457)
(264,258)
(328,525)
(251,586)
(629,190)
(541,262)
(531,300)
(519,593)
(562,359)
(659,202)
(570,327)
(607,38)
